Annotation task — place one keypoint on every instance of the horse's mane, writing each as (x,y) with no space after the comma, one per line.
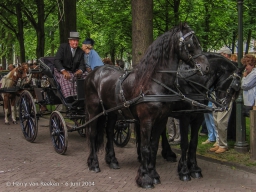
(157,56)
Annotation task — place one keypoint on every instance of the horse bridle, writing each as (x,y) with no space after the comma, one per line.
(235,84)
(19,69)
(186,43)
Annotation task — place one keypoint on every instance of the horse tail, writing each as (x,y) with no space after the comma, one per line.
(100,132)
(95,134)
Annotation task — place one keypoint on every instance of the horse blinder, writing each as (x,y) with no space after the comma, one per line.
(187,44)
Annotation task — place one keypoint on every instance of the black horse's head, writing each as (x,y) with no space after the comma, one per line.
(165,53)
(226,78)
(190,50)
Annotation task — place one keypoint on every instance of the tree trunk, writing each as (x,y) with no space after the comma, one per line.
(248,41)
(68,19)
(61,23)
(234,39)
(3,58)
(142,28)
(113,54)
(9,49)
(205,38)
(20,34)
(52,44)
(40,29)
(176,11)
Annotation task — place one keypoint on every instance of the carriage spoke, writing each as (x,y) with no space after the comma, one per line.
(31,125)
(61,141)
(58,132)
(122,135)
(27,113)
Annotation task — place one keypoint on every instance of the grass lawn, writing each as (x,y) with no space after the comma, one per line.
(231,155)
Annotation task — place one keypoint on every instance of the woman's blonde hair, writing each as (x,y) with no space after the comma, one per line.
(87,46)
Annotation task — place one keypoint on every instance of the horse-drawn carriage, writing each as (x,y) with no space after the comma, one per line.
(154,90)
(46,91)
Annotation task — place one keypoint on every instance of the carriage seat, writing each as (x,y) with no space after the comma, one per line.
(47,66)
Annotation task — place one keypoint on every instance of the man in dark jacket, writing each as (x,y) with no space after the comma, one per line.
(69,62)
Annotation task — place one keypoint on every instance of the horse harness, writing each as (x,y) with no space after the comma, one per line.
(123,103)
(186,44)
(235,84)
(178,95)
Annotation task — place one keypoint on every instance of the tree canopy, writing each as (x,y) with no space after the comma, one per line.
(31,29)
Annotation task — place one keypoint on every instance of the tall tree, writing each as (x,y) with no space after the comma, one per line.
(12,20)
(35,14)
(20,35)
(67,16)
(142,28)
(250,21)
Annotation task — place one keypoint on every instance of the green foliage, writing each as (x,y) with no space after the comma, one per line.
(109,23)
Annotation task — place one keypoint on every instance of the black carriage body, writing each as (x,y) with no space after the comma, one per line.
(52,94)
(47,91)
(43,89)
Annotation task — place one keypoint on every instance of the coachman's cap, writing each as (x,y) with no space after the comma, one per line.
(74,35)
(88,41)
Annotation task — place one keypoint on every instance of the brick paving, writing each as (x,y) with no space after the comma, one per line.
(36,167)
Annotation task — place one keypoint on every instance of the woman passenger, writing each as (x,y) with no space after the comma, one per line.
(249,83)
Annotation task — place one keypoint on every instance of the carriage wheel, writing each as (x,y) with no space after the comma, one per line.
(81,132)
(27,115)
(122,133)
(58,132)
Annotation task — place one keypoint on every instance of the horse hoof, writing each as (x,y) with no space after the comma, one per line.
(14,122)
(156,181)
(7,123)
(171,159)
(96,170)
(185,178)
(147,186)
(196,175)
(114,166)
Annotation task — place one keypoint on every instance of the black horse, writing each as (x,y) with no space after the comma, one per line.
(108,89)
(225,79)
